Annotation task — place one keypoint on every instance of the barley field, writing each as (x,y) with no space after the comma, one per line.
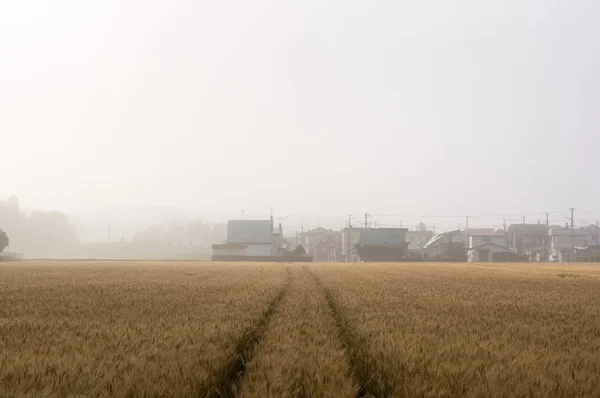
(93,329)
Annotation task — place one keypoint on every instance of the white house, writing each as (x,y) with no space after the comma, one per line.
(249,238)
(478,238)
(562,241)
(439,244)
(488,252)
(323,244)
(310,238)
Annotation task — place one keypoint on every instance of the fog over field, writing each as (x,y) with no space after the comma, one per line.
(332,108)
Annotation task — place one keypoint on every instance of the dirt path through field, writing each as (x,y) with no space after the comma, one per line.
(301,354)
(226,380)
(366,369)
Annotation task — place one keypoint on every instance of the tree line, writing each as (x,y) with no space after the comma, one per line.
(36,233)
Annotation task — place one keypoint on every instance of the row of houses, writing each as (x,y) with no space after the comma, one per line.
(260,240)
(539,242)
(353,244)
(525,242)
(345,245)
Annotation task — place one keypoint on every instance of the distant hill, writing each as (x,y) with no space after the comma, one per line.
(92,226)
(124,222)
(131,215)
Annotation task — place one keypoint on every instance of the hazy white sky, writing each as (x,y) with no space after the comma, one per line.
(419,107)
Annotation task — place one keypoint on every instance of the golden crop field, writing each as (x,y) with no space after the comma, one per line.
(291,330)
(104,329)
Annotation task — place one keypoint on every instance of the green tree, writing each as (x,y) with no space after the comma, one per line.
(4,241)
(421,227)
(300,250)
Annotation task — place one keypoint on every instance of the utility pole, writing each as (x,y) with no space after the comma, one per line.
(547,237)
(572,234)
(302,230)
(349,243)
(505,237)
(523,236)
(467,233)
(366,220)
(596,244)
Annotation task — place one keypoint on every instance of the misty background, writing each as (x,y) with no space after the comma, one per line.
(122,116)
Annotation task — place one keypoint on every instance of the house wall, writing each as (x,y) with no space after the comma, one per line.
(591,238)
(528,237)
(383,236)
(256,249)
(315,241)
(310,240)
(324,251)
(249,231)
(565,243)
(333,253)
(475,241)
(475,255)
(229,252)
(258,237)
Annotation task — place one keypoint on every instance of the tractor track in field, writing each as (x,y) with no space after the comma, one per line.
(227,379)
(365,371)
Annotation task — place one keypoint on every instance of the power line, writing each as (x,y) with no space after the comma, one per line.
(557,217)
(596,238)
(472,216)
(572,234)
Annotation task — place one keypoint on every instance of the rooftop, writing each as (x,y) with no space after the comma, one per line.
(488,244)
(488,234)
(440,236)
(319,230)
(249,231)
(383,236)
